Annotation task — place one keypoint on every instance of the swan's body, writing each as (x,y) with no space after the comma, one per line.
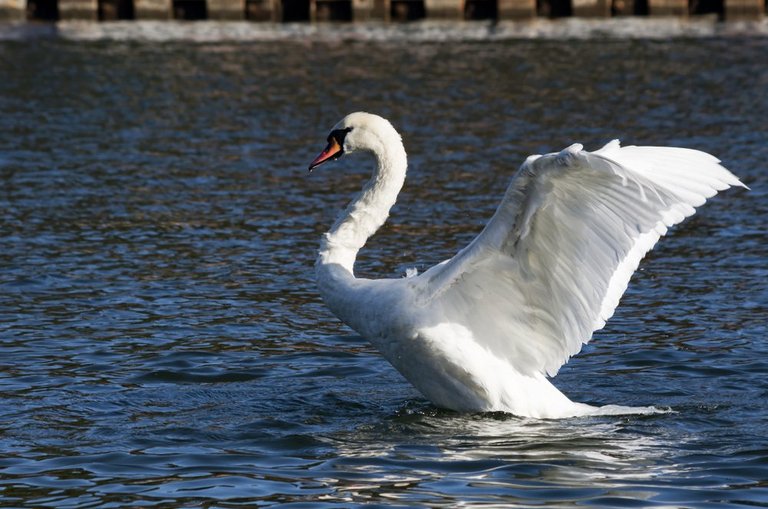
(483,330)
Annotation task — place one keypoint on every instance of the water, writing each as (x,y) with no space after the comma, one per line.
(162,343)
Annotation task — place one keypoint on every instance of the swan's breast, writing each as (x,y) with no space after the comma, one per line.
(444,363)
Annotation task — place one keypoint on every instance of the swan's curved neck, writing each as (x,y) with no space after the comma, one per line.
(369,210)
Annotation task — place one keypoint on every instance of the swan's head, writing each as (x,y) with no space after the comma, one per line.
(357,131)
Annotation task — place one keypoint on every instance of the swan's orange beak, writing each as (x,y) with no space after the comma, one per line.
(331,152)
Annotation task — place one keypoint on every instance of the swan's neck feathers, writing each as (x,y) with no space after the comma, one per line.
(370,209)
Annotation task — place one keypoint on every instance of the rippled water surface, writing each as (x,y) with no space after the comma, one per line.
(161,339)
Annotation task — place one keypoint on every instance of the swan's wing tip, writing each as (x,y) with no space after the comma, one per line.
(739,183)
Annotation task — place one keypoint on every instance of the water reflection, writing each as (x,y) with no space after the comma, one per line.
(502,457)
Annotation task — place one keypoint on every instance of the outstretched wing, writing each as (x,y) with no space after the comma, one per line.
(549,268)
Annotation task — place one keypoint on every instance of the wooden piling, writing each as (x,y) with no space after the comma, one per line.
(226,9)
(152,9)
(362,10)
(591,8)
(370,10)
(112,10)
(265,10)
(629,8)
(444,9)
(744,9)
(12,10)
(406,10)
(517,9)
(668,8)
(331,10)
(78,10)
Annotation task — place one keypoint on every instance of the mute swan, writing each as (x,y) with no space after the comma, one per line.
(483,330)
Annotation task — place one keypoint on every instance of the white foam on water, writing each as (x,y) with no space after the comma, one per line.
(427,30)
(614,410)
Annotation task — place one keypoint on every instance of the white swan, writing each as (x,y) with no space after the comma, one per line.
(483,330)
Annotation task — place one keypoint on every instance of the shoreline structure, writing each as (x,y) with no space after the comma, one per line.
(370,10)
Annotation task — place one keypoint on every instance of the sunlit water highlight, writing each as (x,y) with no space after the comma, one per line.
(161,340)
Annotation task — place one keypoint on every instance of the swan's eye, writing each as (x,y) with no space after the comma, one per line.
(339,135)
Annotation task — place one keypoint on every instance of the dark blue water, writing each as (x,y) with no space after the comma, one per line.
(162,343)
